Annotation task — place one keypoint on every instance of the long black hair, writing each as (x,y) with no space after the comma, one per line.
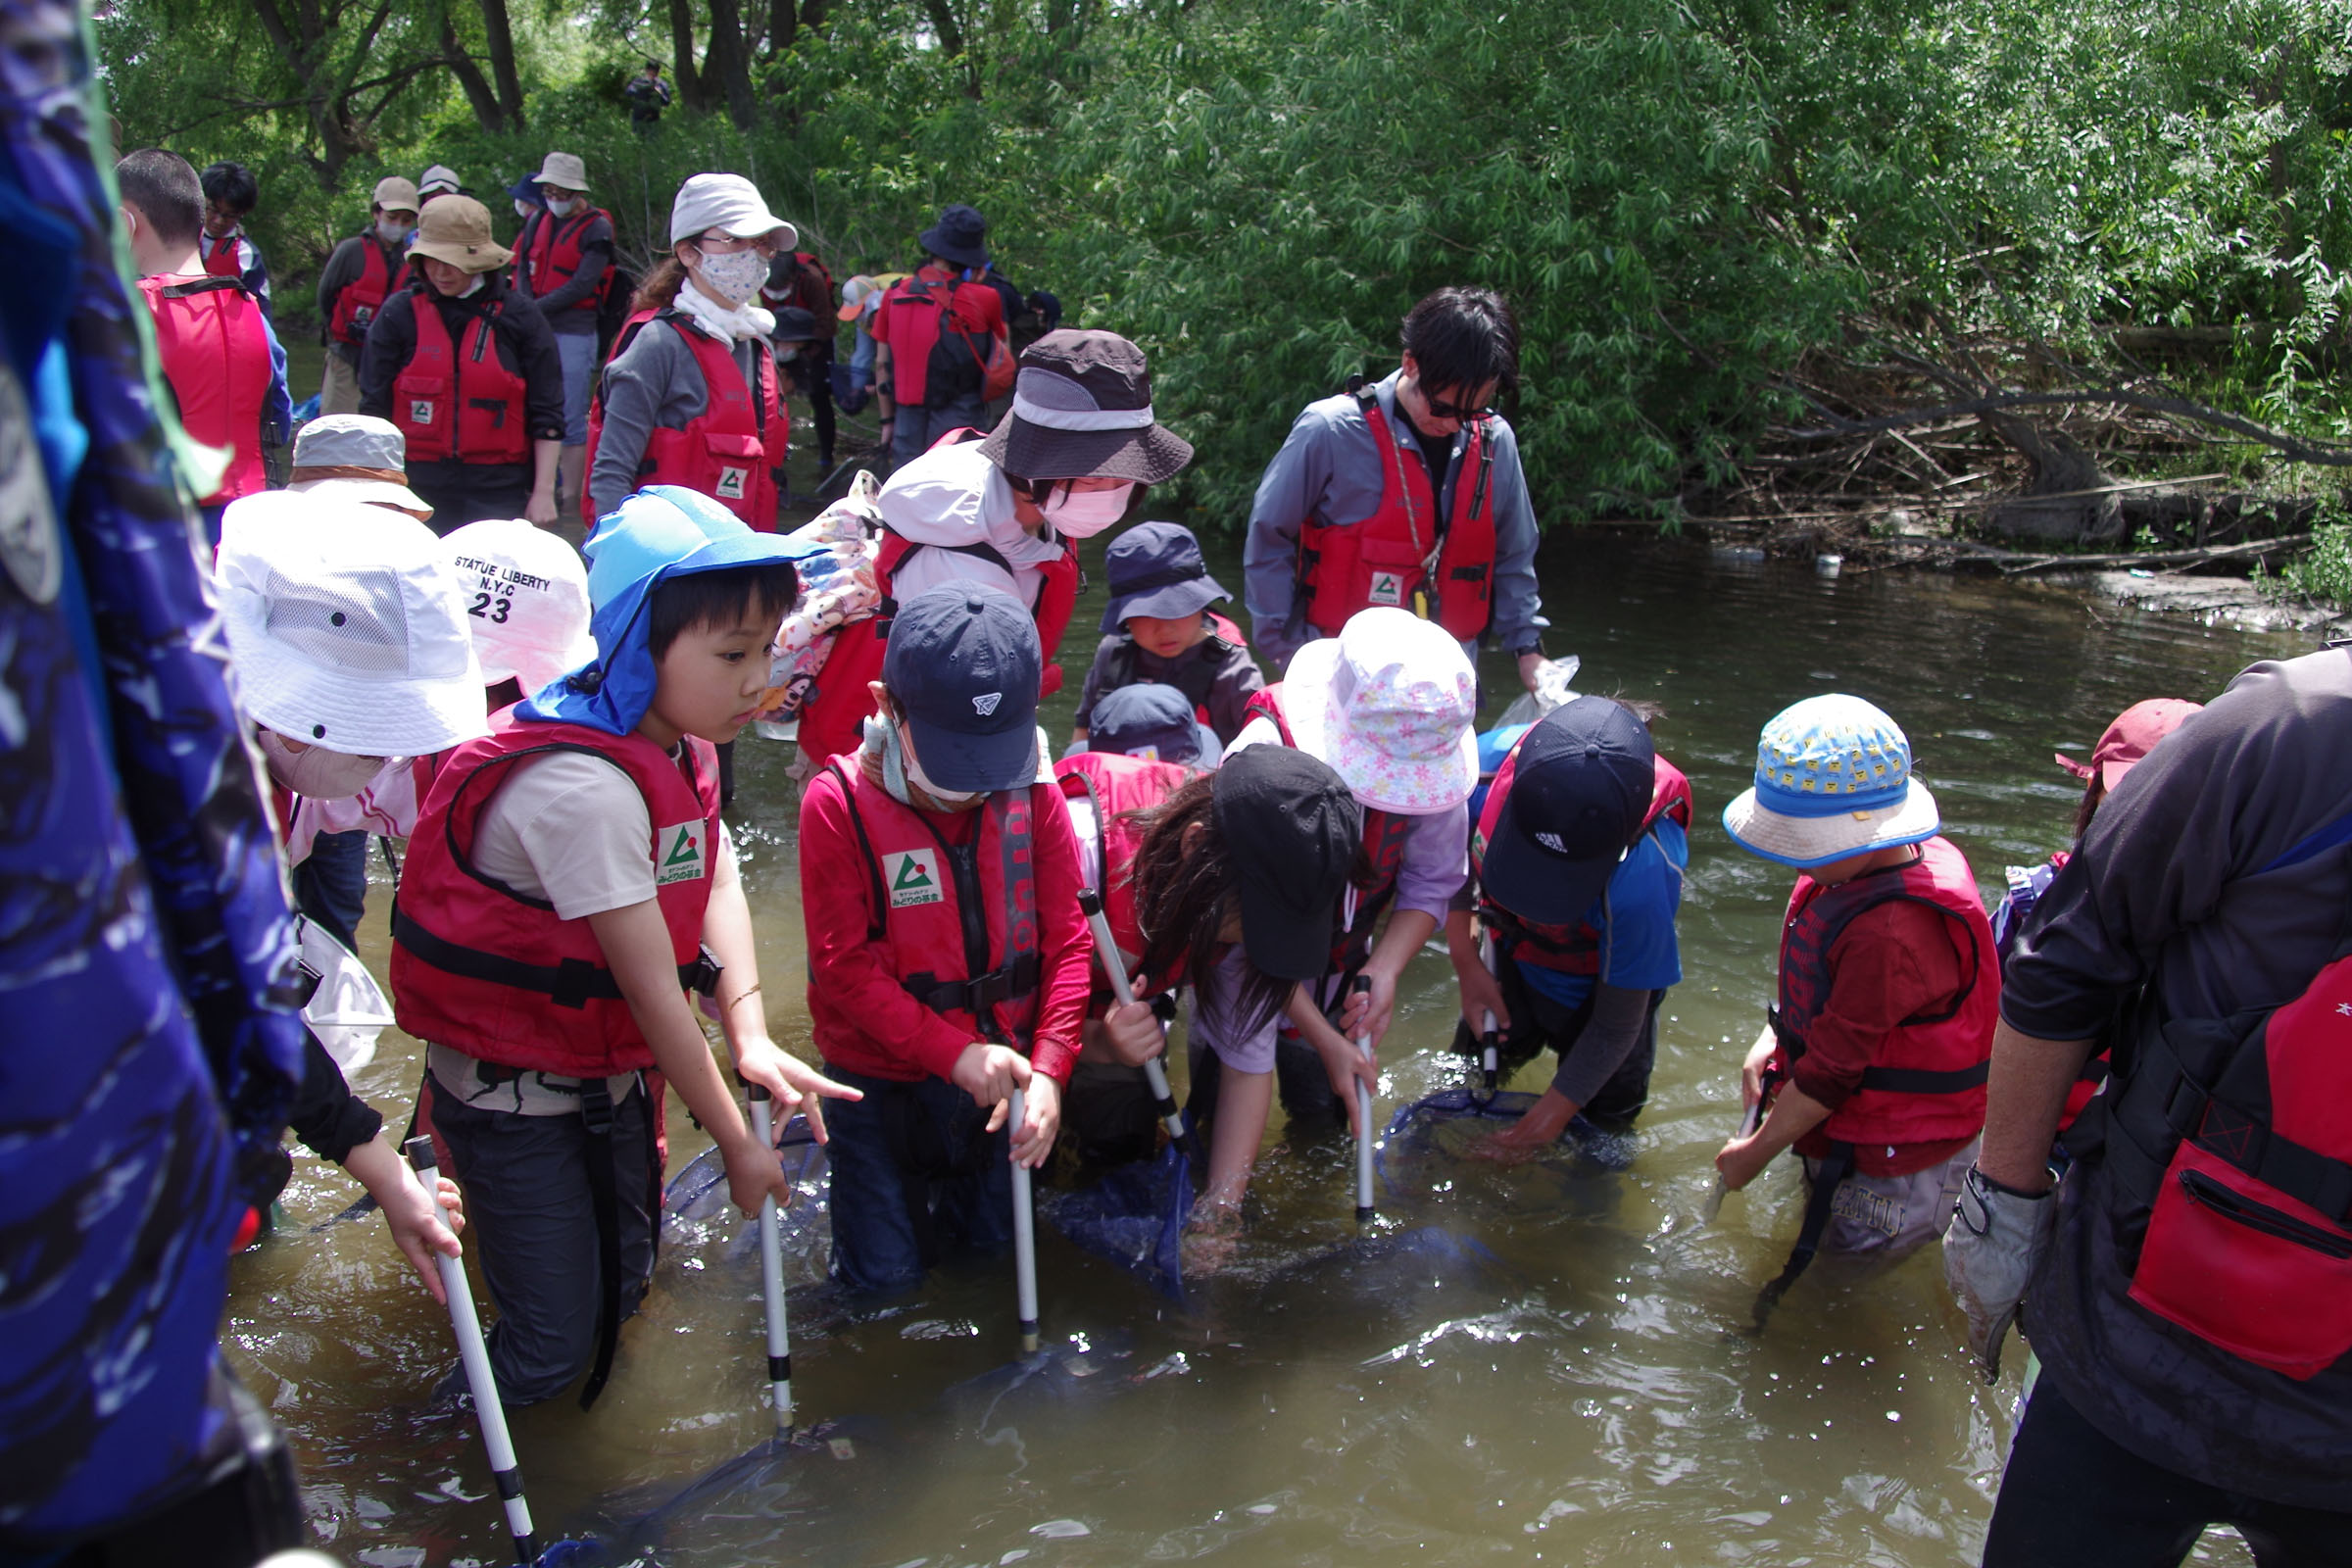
(1184,886)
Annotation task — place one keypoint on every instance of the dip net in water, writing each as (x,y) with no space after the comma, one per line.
(1427,1149)
(1133,1216)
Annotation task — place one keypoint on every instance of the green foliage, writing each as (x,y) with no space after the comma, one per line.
(2323,575)
(1684,201)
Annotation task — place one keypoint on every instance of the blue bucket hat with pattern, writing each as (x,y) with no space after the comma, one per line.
(1832,780)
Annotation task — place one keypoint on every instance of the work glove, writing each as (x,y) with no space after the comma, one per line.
(1989,1249)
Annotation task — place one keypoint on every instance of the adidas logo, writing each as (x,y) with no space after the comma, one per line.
(1551,842)
(986,703)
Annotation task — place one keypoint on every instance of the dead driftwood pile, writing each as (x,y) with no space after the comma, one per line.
(1913,461)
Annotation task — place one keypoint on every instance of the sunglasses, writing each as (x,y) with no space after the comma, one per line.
(1439,409)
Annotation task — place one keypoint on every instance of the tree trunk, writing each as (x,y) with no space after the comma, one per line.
(2062,468)
(729,62)
(783,28)
(487,110)
(682,51)
(499,34)
(812,13)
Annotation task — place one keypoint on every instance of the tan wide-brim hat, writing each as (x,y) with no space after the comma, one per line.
(395,194)
(563,171)
(456,229)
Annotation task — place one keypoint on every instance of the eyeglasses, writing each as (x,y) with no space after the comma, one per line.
(729,244)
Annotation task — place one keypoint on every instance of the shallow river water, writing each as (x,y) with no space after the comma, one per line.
(1577,1387)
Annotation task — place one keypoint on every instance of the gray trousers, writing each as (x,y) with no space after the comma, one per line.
(529,1205)
(339,387)
(913,429)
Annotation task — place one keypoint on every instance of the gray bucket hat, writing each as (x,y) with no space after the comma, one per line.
(1082,408)
(356,457)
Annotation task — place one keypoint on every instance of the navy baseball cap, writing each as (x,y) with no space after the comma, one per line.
(1156,569)
(963,664)
(1150,721)
(1579,790)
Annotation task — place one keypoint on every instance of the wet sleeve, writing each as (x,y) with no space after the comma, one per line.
(1288,493)
(1435,863)
(391,340)
(1890,964)
(860,975)
(1517,622)
(331,1120)
(1067,945)
(1239,680)
(1608,1038)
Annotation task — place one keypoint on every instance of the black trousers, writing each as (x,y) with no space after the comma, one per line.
(2071,1496)
(460,493)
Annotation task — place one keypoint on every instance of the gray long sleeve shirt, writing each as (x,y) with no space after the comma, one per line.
(654,384)
(1330,469)
(343,268)
(2217,871)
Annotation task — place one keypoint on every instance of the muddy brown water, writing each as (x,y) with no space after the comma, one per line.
(1574,1387)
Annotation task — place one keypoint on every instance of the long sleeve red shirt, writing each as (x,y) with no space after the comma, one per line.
(865,1020)
(1891,963)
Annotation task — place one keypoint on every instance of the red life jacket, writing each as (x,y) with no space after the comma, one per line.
(732,452)
(227,257)
(940,341)
(215,353)
(1379,858)
(1117,786)
(500,976)
(2225,1172)
(362,297)
(1398,556)
(1569,948)
(550,254)
(460,403)
(840,701)
(1927,1084)
(982,975)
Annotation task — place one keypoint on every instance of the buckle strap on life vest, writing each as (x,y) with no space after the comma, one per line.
(1925,1080)
(573,983)
(975,996)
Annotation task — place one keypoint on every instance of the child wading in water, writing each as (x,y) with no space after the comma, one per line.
(566,874)
(947,956)
(1874,1062)
(1158,628)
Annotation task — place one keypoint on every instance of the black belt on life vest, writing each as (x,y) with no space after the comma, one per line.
(571,983)
(1834,1171)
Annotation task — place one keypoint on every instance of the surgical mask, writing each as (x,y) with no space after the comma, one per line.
(1083,513)
(899,767)
(735,278)
(315,772)
(563,209)
(524,209)
(389,232)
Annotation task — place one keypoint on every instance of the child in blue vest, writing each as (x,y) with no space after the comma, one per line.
(1158,630)
(568,883)
(1873,1066)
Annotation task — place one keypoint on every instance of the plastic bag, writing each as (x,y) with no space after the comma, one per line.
(1551,691)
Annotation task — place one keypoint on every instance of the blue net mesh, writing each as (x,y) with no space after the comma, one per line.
(1133,1216)
(1428,1144)
(697,1213)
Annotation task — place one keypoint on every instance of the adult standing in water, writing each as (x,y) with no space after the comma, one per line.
(689,397)
(2191,1283)
(359,276)
(565,249)
(466,367)
(1405,494)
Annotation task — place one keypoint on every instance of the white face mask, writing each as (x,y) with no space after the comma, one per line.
(389,232)
(524,209)
(563,209)
(733,278)
(315,773)
(1083,513)
(899,767)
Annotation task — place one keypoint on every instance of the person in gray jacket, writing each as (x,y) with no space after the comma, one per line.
(695,321)
(1406,494)
(2190,1288)
(560,259)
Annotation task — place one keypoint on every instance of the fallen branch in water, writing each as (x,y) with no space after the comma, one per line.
(2013,563)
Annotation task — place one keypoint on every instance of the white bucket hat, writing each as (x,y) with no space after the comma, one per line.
(1832,781)
(346,627)
(1388,705)
(526,599)
(730,204)
(564,170)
